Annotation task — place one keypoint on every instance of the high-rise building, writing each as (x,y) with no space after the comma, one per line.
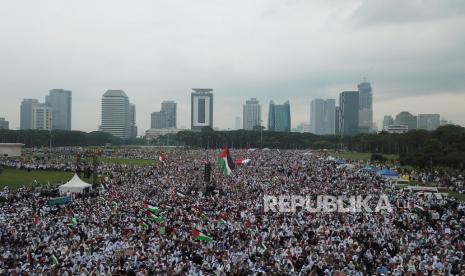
(42,117)
(365,120)
(279,117)
(337,117)
(26,113)
(201,108)
(428,121)
(166,117)
(387,121)
(169,108)
(322,116)
(158,120)
(132,121)
(4,124)
(116,114)
(407,119)
(237,123)
(60,101)
(251,114)
(349,108)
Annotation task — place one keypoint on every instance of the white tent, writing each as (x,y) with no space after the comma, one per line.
(75,185)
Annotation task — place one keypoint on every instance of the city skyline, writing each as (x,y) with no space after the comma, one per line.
(402,60)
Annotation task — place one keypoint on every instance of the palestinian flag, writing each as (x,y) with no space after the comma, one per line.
(73,222)
(145,225)
(418,208)
(161,230)
(152,209)
(155,218)
(54,260)
(36,220)
(225,162)
(242,161)
(222,222)
(162,157)
(199,236)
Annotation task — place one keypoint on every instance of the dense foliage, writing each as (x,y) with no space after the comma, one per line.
(59,138)
(442,147)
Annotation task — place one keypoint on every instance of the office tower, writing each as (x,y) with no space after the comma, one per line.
(365,107)
(132,121)
(387,121)
(322,116)
(251,114)
(4,124)
(26,113)
(428,121)
(42,117)
(116,114)
(407,119)
(201,108)
(349,108)
(279,117)
(158,120)
(337,117)
(169,108)
(166,117)
(60,101)
(237,123)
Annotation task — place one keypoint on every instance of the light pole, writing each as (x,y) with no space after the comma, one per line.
(261,134)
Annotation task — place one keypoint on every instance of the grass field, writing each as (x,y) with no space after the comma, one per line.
(364,156)
(457,196)
(18,178)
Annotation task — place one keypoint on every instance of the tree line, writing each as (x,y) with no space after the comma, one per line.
(443,147)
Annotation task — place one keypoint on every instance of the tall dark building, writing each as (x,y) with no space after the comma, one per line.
(26,113)
(166,117)
(349,112)
(169,107)
(337,117)
(279,117)
(60,101)
(365,115)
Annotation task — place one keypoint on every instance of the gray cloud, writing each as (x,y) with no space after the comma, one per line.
(270,49)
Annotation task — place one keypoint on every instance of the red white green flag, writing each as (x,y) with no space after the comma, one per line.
(225,162)
(199,236)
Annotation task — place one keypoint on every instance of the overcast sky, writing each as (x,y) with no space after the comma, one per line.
(412,52)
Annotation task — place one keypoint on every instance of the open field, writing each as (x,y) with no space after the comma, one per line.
(364,156)
(17,178)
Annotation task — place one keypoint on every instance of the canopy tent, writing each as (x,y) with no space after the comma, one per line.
(75,185)
(387,173)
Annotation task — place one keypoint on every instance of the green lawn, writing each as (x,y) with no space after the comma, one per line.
(18,178)
(457,196)
(363,156)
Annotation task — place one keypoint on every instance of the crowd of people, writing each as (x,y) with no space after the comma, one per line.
(143,220)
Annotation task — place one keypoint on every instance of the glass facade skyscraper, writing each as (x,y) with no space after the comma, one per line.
(60,101)
(349,112)
(279,117)
(251,114)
